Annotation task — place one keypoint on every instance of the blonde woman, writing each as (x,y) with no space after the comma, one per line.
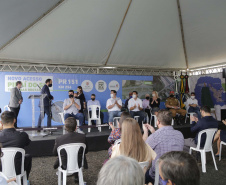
(154,103)
(132,144)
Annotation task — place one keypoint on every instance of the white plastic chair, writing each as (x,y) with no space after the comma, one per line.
(172,123)
(136,118)
(11,183)
(144,165)
(93,109)
(6,107)
(155,121)
(207,147)
(157,172)
(72,163)
(115,120)
(221,143)
(63,121)
(8,166)
(188,113)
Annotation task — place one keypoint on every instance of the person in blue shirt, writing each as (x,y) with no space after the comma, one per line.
(93,101)
(206,122)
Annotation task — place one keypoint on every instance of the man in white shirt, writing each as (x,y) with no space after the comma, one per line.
(71,108)
(136,108)
(193,106)
(93,101)
(113,106)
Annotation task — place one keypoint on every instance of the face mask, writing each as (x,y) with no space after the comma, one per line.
(192,97)
(147,98)
(171,95)
(92,99)
(153,95)
(112,95)
(134,95)
(50,85)
(71,95)
(164,182)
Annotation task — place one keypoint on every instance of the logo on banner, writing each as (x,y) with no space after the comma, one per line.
(113,85)
(87,85)
(30,83)
(101,86)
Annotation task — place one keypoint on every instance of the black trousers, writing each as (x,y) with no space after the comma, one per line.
(101,117)
(16,112)
(148,113)
(46,111)
(142,117)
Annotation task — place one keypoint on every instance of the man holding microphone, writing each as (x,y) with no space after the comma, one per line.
(46,102)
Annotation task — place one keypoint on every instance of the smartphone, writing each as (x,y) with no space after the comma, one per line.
(195,115)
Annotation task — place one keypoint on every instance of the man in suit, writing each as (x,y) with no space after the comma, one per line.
(9,137)
(16,100)
(46,102)
(206,122)
(71,137)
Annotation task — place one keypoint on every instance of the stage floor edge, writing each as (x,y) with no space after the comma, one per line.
(96,141)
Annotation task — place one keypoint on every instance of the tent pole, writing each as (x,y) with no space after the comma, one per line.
(32,24)
(118,32)
(182,33)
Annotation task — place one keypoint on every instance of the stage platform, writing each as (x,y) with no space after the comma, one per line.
(96,141)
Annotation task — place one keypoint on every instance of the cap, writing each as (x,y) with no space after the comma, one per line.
(171,92)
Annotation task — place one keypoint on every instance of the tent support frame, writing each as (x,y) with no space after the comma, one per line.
(45,68)
(182,33)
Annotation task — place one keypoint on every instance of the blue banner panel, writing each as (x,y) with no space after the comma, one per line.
(92,84)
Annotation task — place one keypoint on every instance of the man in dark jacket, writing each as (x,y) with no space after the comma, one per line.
(47,103)
(16,100)
(9,137)
(71,137)
(206,122)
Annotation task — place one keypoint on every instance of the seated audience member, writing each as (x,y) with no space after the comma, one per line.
(9,137)
(71,108)
(178,168)
(136,108)
(146,105)
(116,132)
(220,136)
(121,170)
(71,137)
(206,122)
(193,106)
(132,145)
(127,100)
(113,105)
(94,101)
(155,103)
(165,139)
(173,104)
(3,181)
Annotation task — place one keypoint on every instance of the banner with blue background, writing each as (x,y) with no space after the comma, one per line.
(91,83)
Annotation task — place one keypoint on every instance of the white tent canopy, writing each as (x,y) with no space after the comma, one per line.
(133,33)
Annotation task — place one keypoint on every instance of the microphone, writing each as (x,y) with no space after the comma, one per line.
(38,86)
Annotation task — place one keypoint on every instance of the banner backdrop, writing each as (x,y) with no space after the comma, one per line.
(97,84)
(216,84)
